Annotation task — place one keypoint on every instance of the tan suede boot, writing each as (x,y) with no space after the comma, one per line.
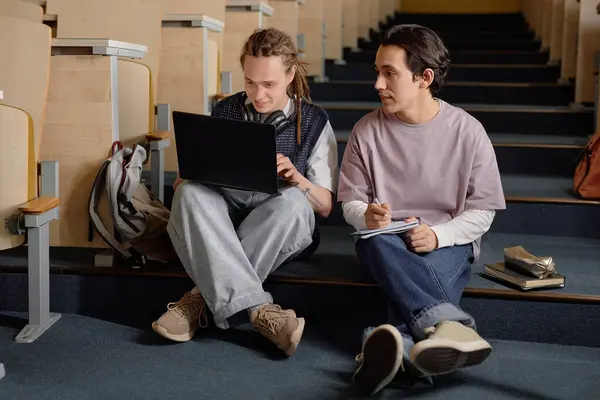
(183,317)
(282,327)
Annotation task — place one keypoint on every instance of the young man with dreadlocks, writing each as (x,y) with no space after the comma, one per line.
(229,241)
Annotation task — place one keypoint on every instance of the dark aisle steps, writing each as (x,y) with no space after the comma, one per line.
(518,119)
(518,35)
(455,92)
(466,56)
(465,23)
(523,73)
(471,43)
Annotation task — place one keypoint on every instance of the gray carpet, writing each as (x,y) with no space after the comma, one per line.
(84,358)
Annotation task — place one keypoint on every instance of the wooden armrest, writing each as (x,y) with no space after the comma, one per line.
(39,205)
(158,135)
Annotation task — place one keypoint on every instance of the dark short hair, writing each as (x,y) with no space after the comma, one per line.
(424,49)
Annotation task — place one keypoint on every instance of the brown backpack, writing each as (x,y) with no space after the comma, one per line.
(586,182)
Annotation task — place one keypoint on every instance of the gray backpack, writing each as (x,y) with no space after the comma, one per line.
(138,218)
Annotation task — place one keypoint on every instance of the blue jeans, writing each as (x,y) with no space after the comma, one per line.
(423,289)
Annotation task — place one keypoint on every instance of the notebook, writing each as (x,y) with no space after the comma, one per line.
(394,227)
(524,282)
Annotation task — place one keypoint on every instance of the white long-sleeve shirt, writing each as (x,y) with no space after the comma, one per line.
(464,229)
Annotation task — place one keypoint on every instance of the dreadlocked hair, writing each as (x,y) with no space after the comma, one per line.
(273,42)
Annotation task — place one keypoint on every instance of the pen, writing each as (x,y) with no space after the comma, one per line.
(379,204)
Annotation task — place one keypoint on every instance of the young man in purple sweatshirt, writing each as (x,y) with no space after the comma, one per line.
(419,157)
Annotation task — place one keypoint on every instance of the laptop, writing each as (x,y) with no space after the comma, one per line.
(226,153)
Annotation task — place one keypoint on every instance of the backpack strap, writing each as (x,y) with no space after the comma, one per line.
(95,220)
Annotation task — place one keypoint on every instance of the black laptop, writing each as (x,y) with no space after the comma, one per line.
(226,153)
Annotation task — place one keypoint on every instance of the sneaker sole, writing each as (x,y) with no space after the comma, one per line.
(295,339)
(176,338)
(382,358)
(441,356)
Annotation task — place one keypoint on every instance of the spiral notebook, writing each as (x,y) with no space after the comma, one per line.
(394,227)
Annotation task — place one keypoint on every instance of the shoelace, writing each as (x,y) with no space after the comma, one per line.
(269,319)
(190,303)
(429,331)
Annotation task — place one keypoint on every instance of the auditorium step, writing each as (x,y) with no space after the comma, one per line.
(521,119)
(575,257)
(535,205)
(470,44)
(334,279)
(335,263)
(518,73)
(509,22)
(455,92)
(455,34)
(465,57)
(535,155)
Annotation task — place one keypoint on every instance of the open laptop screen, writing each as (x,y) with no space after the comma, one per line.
(224,152)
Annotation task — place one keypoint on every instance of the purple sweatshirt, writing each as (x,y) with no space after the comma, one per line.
(435,170)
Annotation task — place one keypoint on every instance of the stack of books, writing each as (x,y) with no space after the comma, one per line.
(525,271)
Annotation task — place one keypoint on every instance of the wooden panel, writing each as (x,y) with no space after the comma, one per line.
(526,9)
(213,72)
(547,16)
(557,27)
(24,79)
(374,15)
(386,8)
(350,28)
(364,18)
(133,21)
(532,13)
(182,79)
(78,132)
(460,6)
(136,116)
(587,46)
(569,43)
(333,19)
(239,25)
(312,17)
(218,38)
(20,9)
(211,8)
(286,15)
(14,168)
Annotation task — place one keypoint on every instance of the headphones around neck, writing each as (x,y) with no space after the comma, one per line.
(277,118)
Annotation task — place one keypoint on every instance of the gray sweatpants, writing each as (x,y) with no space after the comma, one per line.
(229,241)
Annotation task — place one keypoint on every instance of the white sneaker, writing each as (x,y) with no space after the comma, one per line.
(450,345)
(380,359)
